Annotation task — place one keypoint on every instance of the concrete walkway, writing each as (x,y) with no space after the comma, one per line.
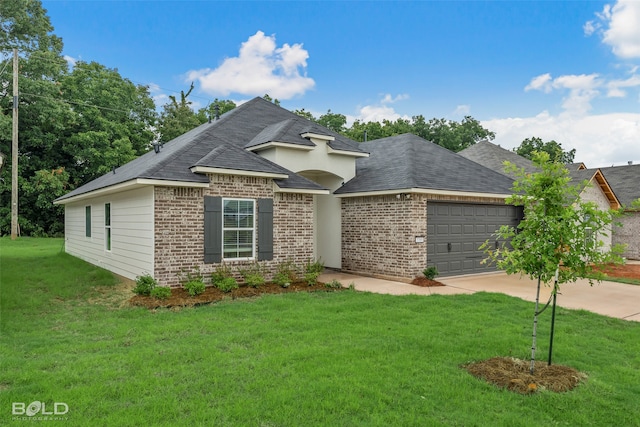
(606,298)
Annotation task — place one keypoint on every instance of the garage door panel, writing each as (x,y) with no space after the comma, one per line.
(455,232)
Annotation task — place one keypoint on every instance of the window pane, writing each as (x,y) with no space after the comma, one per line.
(108,238)
(87,221)
(107,214)
(238,228)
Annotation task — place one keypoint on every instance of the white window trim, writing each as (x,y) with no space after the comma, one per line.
(253,230)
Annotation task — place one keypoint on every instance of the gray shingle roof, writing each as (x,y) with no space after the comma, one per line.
(408,161)
(624,181)
(492,156)
(221,144)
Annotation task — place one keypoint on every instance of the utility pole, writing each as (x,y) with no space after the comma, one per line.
(14,151)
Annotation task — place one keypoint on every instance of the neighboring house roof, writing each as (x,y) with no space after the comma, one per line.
(407,162)
(493,157)
(625,181)
(594,177)
(222,144)
(576,166)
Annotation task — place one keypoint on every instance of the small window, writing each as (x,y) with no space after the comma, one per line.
(87,221)
(107,226)
(238,228)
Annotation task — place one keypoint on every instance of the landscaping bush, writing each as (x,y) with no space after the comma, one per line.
(144,285)
(194,287)
(286,274)
(221,272)
(227,284)
(161,292)
(430,272)
(312,270)
(253,276)
(334,284)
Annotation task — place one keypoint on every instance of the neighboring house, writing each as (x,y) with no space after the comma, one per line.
(597,190)
(625,182)
(263,184)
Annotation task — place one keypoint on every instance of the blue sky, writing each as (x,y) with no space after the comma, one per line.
(567,71)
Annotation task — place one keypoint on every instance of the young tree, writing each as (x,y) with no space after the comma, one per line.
(558,239)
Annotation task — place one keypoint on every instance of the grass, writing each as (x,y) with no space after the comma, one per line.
(344,358)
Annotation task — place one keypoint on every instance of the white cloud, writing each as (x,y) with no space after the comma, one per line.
(542,82)
(260,68)
(614,86)
(380,111)
(462,110)
(619,27)
(582,89)
(70,60)
(388,99)
(599,140)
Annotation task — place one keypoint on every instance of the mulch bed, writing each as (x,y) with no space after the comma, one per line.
(631,271)
(180,298)
(514,375)
(425,283)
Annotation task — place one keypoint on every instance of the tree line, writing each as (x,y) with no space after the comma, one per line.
(77,123)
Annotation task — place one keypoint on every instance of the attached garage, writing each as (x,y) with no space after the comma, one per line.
(455,232)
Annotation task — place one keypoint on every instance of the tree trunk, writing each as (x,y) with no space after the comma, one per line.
(535,327)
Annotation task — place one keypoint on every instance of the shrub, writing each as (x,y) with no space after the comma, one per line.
(222,272)
(186,276)
(161,292)
(312,270)
(334,284)
(286,274)
(253,276)
(227,284)
(194,287)
(430,272)
(144,285)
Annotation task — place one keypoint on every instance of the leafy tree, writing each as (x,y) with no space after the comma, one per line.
(335,122)
(530,145)
(25,26)
(270,99)
(305,114)
(557,241)
(446,133)
(217,108)
(112,124)
(177,118)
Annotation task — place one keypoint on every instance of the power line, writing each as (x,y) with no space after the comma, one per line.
(148,85)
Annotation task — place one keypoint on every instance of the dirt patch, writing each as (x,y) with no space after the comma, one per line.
(514,375)
(181,298)
(425,283)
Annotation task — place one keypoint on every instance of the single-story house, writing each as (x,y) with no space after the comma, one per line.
(599,190)
(261,183)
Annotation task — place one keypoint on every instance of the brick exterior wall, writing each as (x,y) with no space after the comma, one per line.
(379,235)
(628,234)
(179,226)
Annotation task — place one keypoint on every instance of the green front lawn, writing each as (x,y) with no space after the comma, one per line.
(322,359)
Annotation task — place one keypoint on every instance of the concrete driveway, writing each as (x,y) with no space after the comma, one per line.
(607,298)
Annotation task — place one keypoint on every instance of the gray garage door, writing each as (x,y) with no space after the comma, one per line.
(455,231)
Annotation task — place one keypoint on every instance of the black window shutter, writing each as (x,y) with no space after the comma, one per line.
(265,229)
(212,229)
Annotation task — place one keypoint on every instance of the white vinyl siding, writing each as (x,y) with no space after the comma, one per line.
(131,228)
